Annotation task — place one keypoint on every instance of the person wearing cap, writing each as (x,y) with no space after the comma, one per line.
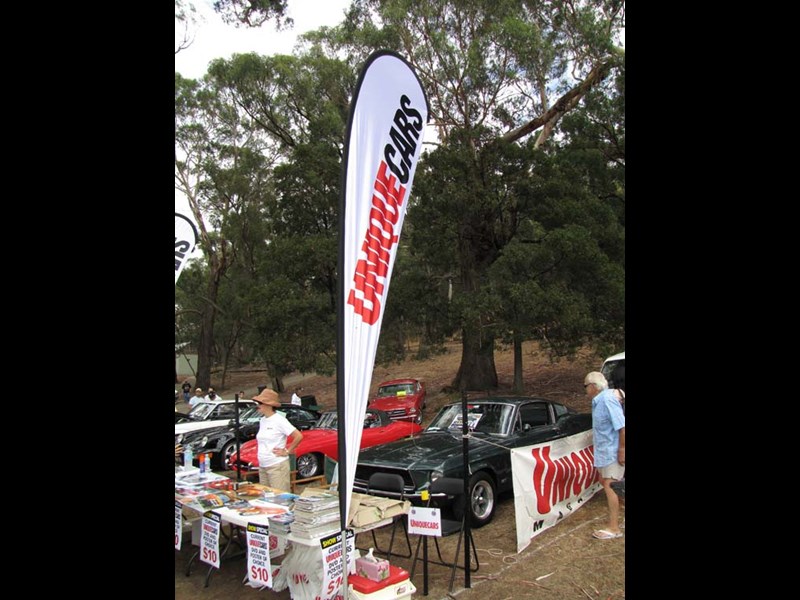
(274,431)
(198,396)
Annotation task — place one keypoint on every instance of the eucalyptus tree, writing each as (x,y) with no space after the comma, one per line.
(222,166)
(496,72)
(300,104)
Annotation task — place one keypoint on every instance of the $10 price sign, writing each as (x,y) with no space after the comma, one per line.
(178,525)
(259,570)
(209,542)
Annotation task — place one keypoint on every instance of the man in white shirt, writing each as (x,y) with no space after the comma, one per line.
(295,398)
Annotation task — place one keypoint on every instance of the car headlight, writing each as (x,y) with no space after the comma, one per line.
(178,438)
(203,442)
(412,410)
(436,475)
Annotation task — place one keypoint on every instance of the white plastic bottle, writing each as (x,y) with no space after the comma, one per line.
(187,457)
(207,460)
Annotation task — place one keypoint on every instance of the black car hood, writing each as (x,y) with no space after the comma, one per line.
(427,450)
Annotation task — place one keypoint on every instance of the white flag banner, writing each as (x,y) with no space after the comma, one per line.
(551,481)
(382,147)
(185,241)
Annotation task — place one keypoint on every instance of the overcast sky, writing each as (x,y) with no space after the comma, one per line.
(214,39)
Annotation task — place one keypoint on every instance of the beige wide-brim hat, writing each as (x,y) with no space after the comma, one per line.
(269,397)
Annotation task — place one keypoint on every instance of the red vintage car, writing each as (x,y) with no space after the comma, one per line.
(402,399)
(323,440)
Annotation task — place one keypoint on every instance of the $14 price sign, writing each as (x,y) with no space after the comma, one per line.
(333,572)
(209,541)
(259,570)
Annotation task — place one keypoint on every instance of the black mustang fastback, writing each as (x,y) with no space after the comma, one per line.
(495,424)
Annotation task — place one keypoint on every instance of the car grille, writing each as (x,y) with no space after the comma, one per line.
(396,413)
(364,472)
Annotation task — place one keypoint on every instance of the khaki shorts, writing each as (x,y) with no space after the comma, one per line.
(613,471)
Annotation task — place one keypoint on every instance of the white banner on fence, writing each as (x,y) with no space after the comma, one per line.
(551,481)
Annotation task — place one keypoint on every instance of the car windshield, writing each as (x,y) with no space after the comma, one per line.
(481,418)
(327,421)
(401,389)
(201,411)
(330,420)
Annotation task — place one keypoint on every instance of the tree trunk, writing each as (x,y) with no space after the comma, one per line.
(205,347)
(477,371)
(519,386)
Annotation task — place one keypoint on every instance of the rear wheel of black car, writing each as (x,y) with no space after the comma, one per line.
(309,465)
(482,500)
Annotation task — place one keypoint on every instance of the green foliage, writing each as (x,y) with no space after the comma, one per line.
(502,240)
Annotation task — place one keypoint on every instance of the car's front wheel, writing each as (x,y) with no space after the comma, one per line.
(225,454)
(309,465)
(482,500)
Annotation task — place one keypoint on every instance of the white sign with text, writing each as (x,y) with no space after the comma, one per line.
(209,541)
(333,575)
(259,569)
(425,521)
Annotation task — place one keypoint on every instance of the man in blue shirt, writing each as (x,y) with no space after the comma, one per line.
(608,429)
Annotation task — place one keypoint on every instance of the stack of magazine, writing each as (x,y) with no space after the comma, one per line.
(281,524)
(316,514)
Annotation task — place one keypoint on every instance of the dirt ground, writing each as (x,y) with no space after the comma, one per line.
(560,563)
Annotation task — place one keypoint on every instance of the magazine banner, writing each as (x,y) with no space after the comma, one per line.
(178,525)
(383,143)
(185,241)
(209,540)
(259,568)
(551,481)
(332,576)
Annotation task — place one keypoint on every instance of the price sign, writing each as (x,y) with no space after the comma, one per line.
(259,570)
(209,541)
(178,525)
(333,572)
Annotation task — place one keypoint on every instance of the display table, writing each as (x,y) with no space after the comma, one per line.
(302,565)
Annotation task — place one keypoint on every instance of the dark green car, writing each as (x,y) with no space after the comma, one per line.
(496,425)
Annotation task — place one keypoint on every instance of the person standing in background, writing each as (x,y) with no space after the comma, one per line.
(608,431)
(296,398)
(274,431)
(211,396)
(186,390)
(198,396)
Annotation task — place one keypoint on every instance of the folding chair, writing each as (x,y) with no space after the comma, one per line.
(448,486)
(389,482)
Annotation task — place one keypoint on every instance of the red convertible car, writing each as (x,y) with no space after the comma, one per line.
(323,440)
(402,399)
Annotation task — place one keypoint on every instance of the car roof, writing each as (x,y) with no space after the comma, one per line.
(241,400)
(394,381)
(505,399)
(615,357)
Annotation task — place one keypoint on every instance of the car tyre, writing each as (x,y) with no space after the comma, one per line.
(227,451)
(309,465)
(483,500)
